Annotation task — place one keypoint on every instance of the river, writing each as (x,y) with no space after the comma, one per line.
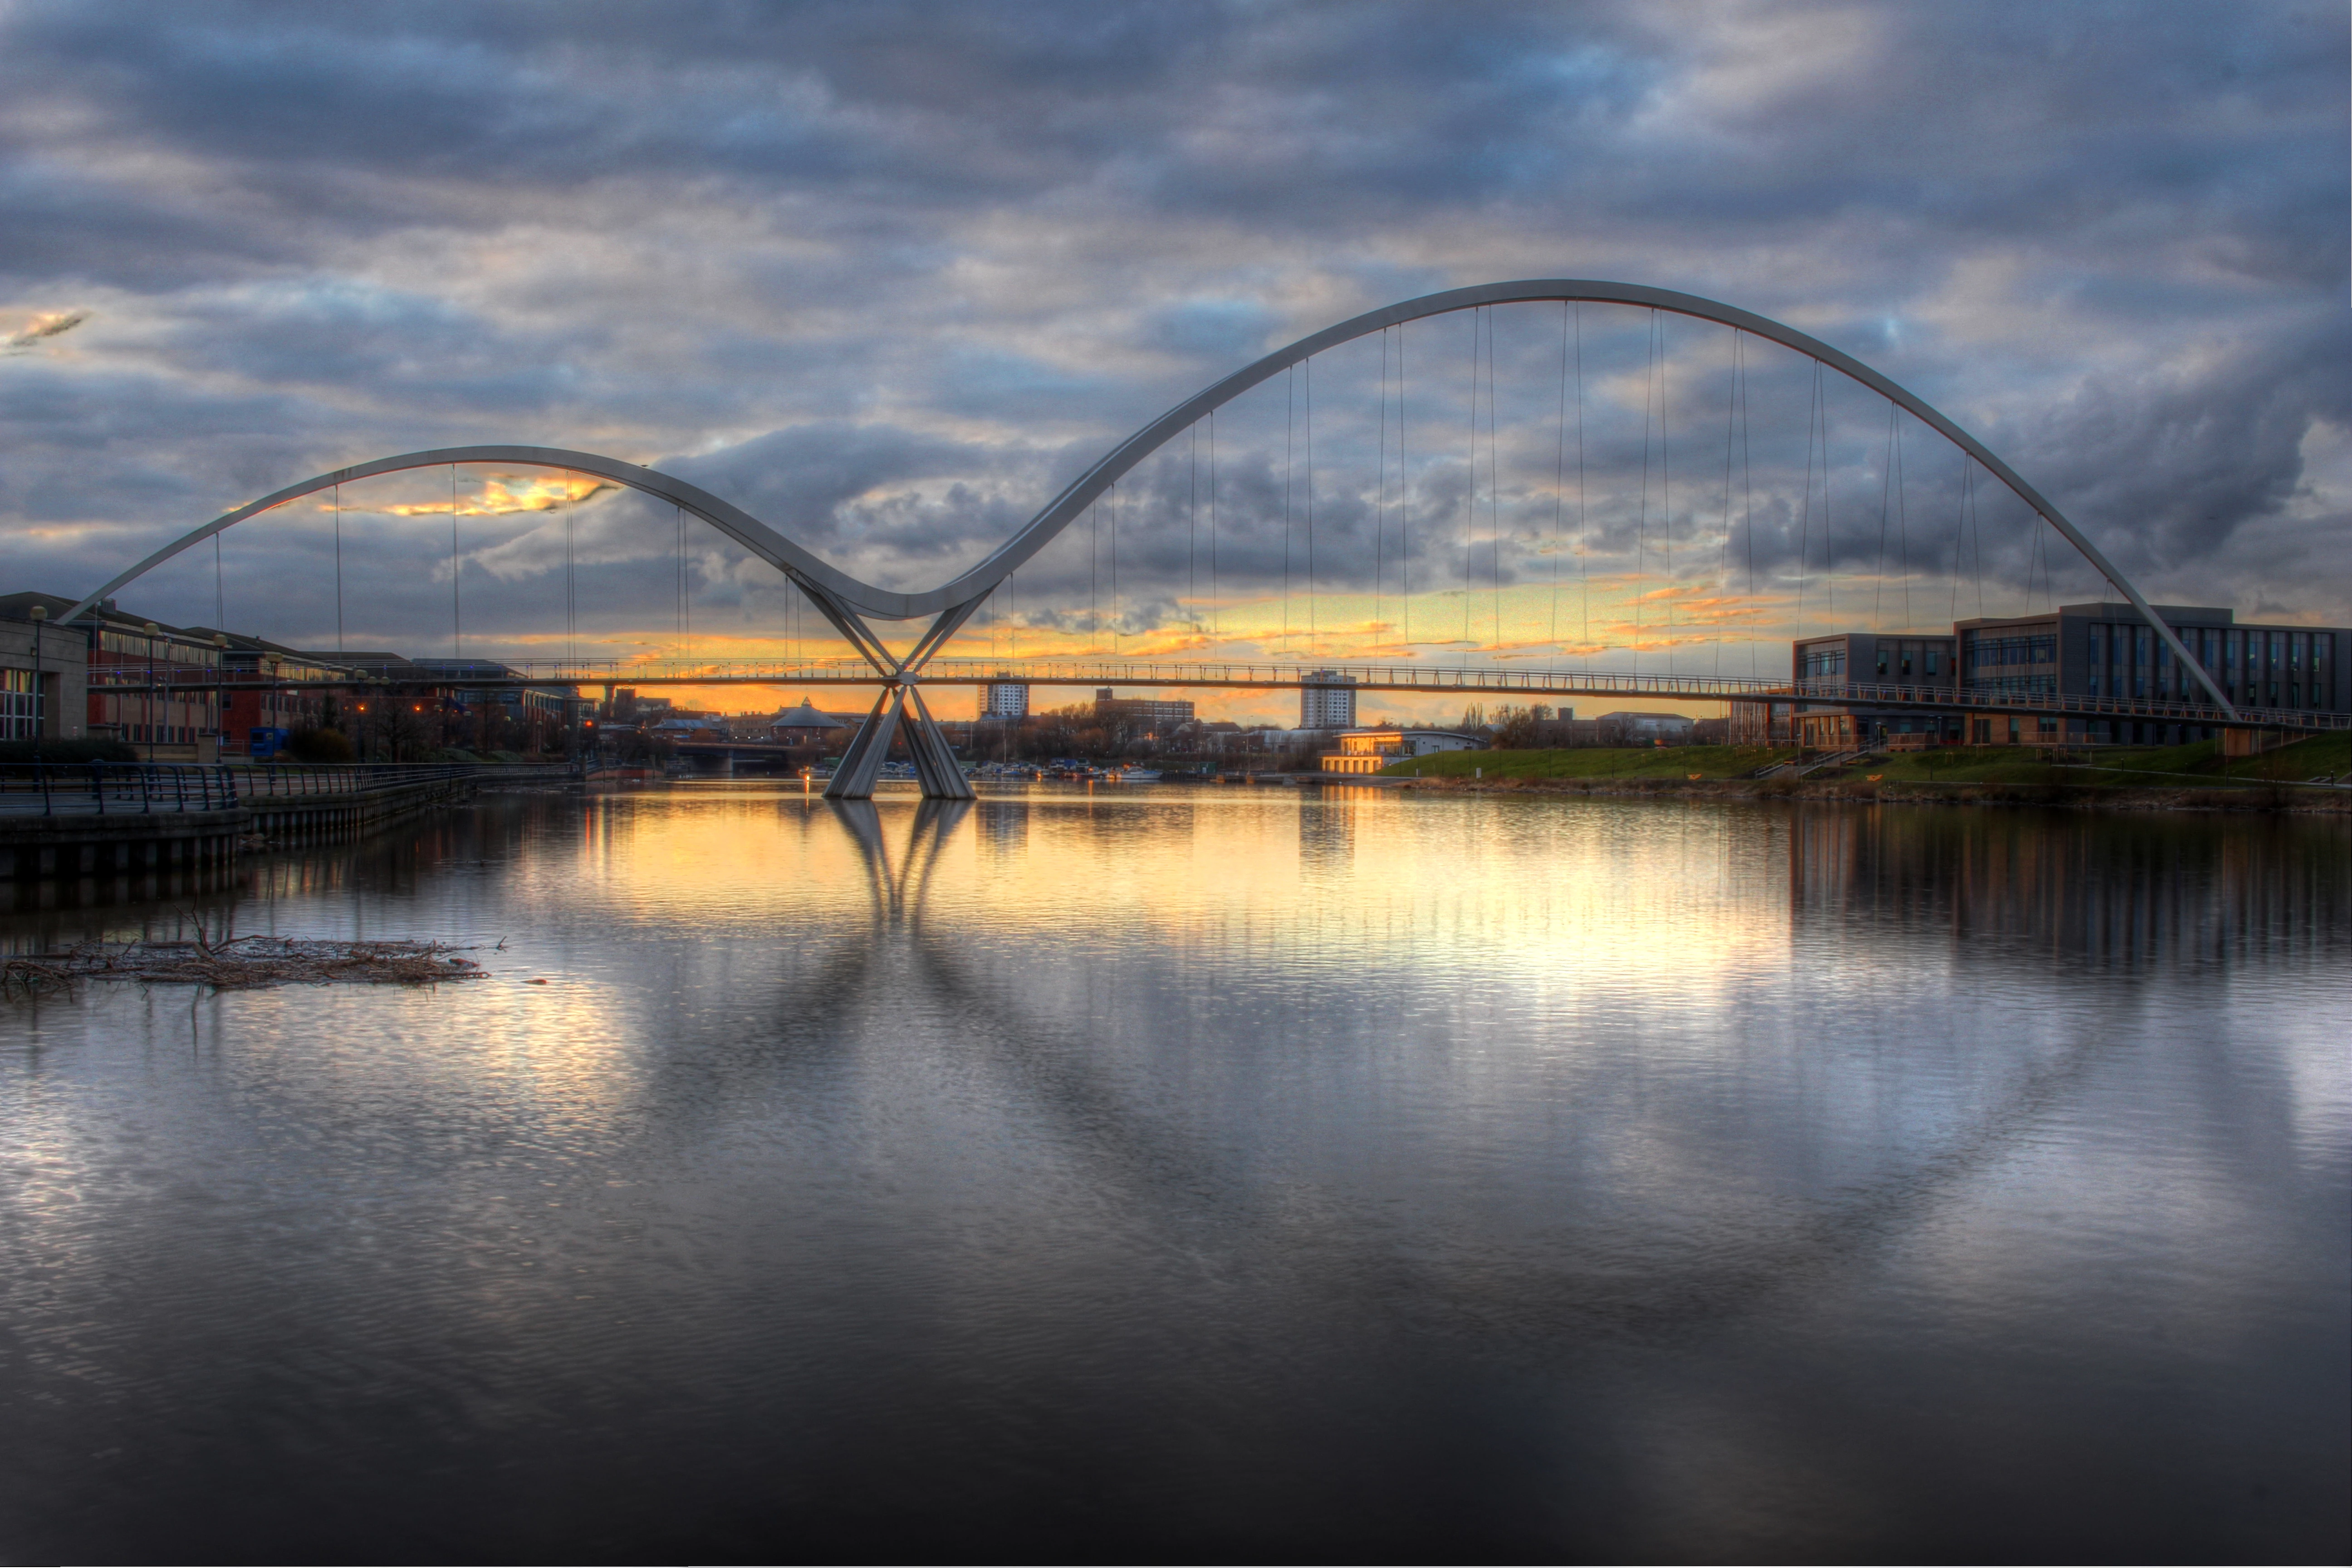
(1161,1173)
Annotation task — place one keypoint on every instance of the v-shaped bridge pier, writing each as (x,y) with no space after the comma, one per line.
(900,705)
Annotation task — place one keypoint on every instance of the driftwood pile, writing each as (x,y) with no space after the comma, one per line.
(239,963)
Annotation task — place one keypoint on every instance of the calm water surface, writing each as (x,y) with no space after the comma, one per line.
(1184,1173)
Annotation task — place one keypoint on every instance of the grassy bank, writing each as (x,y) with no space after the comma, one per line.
(2197,766)
(2147,767)
(1593,762)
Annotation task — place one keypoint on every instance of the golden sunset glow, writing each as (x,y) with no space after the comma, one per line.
(503,498)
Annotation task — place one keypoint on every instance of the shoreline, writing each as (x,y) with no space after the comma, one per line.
(2301,799)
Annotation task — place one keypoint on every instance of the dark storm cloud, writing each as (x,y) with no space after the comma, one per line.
(891,274)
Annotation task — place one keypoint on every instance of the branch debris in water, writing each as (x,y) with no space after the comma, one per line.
(240,963)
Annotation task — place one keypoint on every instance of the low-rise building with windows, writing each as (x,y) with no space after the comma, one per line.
(1369,750)
(1146,716)
(43,674)
(154,687)
(1926,662)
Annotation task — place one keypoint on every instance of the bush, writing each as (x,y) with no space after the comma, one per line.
(91,749)
(320,746)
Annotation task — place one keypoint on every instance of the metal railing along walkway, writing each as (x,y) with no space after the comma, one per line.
(115,789)
(1446,681)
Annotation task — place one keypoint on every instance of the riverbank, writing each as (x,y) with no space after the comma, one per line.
(2267,798)
(2305,777)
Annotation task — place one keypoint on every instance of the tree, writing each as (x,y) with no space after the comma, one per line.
(1518,729)
(320,745)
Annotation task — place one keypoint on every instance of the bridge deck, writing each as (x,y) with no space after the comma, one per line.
(1434,681)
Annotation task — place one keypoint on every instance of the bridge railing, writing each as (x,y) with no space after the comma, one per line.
(1285,674)
(2055,702)
(102,789)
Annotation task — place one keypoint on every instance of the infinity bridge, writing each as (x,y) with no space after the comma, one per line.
(849,605)
(1433,680)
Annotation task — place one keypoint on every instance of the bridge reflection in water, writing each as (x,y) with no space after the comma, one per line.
(1152,1169)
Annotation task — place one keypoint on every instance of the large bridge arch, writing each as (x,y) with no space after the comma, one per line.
(835,591)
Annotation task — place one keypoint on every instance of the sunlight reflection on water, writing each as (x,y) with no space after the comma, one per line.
(1164,1172)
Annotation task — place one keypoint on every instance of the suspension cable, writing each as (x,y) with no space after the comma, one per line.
(1829,521)
(1805,514)
(1886,515)
(1470,498)
(1960,532)
(1641,519)
(456,624)
(1311,644)
(1494,485)
(1748,502)
(1558,476)
(1583,540)
(1404,507)
(1216,605)
(1192,525)
(1666,479)
(570,615)
(1722,562)
(1902,529)
(1289,424)
(1380,489)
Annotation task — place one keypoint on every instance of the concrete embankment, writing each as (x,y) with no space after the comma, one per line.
(133,842)
(2245,797)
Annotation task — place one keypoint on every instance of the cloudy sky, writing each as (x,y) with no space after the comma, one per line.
(889,275)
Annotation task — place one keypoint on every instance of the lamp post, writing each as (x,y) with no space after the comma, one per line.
(220,694)
(40,613)
(147,703)
(266,665)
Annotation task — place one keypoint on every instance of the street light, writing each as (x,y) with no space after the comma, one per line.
(40,613)
(220,693)
(147,703)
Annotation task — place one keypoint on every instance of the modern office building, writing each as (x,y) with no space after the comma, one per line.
(2111,650)
(1004,699)
(2074,650)
(1328,706)
(1925,660)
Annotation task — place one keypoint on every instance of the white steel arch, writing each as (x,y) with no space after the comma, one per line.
(842,597)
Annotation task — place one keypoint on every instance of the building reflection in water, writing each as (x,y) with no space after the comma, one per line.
(2123,893)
